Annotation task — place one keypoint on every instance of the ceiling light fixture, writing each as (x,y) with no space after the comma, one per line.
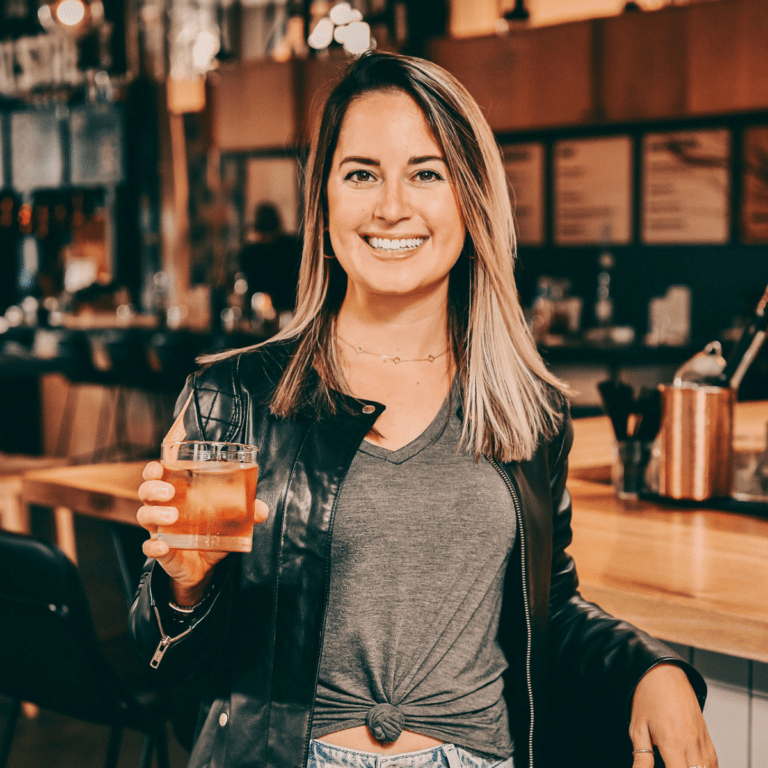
(70,15)
(345,25)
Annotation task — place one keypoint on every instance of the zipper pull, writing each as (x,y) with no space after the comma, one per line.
(164,645)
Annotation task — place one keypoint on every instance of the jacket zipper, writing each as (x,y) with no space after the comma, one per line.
(166,641)
(526,599)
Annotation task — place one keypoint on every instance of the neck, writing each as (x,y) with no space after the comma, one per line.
(415,330)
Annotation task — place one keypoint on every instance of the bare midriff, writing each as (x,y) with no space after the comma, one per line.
(360,738)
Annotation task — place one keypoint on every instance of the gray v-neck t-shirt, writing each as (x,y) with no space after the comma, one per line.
(421,540)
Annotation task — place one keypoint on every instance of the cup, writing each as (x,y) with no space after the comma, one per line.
(695,441)
(630,462)
(215,494)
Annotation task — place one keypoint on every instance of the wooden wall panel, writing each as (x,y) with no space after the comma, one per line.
(718,64)
(753,29)
(528,79)
(253,106)
(642,65)
(316,77)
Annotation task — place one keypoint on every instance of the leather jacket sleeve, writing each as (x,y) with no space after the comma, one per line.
(178,647)
(589,649)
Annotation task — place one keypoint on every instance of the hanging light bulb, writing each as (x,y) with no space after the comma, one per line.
(70,12)
(341,14)
(76,16)
(322,34)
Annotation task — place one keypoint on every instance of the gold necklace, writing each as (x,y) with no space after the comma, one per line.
(396,360)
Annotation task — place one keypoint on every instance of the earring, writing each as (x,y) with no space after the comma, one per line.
(327,246)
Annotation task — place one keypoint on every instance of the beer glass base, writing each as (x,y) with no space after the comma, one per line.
(212,542)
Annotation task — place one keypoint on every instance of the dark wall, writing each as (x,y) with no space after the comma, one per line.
(725,281)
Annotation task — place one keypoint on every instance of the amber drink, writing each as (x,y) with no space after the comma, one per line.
(215,494)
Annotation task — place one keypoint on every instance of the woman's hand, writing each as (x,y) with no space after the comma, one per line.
(190,569)
(666,714)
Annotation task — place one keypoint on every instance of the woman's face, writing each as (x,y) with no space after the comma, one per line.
(393,218)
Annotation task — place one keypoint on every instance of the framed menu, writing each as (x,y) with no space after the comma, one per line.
(524,164)
(593,191)
(36,151)
(754,209)
(686,186)
(96,156)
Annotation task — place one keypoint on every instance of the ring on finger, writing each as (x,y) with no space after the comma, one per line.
(640,751)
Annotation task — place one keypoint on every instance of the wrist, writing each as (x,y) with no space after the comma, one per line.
(187,596)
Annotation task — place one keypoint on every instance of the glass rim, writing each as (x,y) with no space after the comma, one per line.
(215,443)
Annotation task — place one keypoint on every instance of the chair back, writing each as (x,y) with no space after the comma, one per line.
(49,650)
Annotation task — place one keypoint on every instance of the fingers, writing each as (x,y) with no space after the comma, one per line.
(153,471)
(155,548)
(260,512)
(156,490)
(642,748)
(643,760)
(150,517)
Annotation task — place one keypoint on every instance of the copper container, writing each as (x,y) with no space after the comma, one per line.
(695,441)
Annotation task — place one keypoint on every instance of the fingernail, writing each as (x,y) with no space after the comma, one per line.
(169,514)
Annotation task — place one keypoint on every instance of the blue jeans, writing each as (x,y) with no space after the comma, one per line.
(322,755)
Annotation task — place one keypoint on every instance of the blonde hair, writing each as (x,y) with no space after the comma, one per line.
(509,398)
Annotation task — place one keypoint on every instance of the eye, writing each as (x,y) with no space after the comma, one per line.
(428,175)
(359,176)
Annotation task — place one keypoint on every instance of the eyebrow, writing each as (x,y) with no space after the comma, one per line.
(375,163)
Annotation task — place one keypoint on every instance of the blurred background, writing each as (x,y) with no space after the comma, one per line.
(150,189)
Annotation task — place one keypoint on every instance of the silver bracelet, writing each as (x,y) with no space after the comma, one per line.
(185,609)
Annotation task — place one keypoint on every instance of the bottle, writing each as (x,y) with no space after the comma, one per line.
(747,347)
(603,299)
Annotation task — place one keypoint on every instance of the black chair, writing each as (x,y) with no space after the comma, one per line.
(50,654)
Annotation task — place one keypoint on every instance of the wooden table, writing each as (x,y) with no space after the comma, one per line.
(692,576)
(106,491)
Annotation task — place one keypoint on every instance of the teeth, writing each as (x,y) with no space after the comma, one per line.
(385,244)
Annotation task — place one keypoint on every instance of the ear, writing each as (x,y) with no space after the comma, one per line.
(327,245)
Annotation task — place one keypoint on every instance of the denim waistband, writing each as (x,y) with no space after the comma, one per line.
(322,755)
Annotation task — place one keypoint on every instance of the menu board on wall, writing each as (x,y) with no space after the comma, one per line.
(96,145)
(524,164)
(686,186)
(593,191)
(754,210)
(36,151)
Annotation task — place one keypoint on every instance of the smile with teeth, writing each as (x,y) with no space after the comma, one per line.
(404,244)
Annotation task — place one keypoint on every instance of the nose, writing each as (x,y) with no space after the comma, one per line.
(392,204)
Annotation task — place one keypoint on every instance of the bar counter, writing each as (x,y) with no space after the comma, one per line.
(693,576)
(686,574)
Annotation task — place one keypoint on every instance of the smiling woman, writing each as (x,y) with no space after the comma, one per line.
(393,219)
(409,597)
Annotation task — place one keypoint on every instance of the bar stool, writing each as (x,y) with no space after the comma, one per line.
(14,515)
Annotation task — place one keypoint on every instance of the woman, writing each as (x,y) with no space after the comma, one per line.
(408,597)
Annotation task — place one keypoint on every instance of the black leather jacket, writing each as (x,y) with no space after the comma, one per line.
(256,651)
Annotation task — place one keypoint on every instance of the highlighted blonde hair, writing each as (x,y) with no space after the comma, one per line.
(510,400)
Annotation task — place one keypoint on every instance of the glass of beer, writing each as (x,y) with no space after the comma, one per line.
(215,494)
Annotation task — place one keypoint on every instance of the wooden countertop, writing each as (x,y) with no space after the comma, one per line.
(692,576)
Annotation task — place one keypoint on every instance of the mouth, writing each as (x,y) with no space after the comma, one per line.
(387,245)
